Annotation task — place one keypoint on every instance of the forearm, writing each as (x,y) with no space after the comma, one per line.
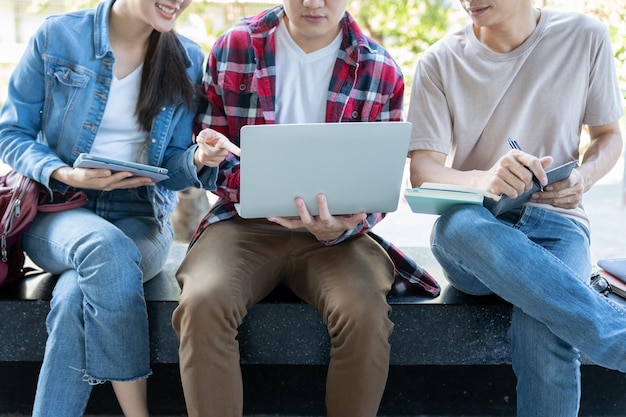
(429,166)
(604,151)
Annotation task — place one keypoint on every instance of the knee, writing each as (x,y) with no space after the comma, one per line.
(214,307)
(464,234)
(362,314)
(106,245)
(459,223)
(107,265)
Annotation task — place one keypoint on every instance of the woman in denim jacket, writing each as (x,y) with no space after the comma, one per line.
(116,81)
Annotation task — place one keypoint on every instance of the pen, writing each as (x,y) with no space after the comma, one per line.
(513,144)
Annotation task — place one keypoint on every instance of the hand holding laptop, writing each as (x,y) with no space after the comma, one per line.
(323,226)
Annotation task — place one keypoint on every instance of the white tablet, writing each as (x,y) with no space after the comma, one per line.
(86,160)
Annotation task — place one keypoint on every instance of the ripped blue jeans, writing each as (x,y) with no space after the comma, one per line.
(98,324)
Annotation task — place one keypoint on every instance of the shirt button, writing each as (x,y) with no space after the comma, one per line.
(355,114)
(242,87)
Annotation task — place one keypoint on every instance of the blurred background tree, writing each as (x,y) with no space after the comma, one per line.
(405,27)
(613,14)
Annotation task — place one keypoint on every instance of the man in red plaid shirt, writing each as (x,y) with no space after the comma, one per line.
(272,68)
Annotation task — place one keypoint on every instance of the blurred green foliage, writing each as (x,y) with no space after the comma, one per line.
(409,25)
(405,27)
(613,14)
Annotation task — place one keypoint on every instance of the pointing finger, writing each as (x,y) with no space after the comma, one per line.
(217,140)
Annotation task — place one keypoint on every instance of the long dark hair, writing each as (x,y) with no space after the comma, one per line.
(164,78)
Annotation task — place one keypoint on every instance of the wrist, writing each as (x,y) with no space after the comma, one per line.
(62,174)
(196,160)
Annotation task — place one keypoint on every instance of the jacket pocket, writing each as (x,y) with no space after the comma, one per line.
(64,84)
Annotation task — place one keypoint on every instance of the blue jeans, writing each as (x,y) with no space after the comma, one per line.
(98,324)
(538,261)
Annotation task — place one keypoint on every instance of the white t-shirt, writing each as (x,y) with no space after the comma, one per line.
(119,135)
(466,100)
(302,80)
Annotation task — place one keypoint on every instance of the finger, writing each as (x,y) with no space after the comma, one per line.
(131,182)
(536,165)
(529,171)
(512,182)
(120,176)
(219,142)
(322,207)
(537,169)
(303,211)
(209,136)
(99,178)
(288,222)
(230,147)
(278,220)
(216,139)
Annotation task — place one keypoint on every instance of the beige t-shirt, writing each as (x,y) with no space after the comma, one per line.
(466,100)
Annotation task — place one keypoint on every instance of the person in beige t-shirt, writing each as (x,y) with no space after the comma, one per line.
(536,77)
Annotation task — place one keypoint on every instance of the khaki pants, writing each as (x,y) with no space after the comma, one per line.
(234,264)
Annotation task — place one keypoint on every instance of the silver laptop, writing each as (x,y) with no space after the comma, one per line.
(359,166)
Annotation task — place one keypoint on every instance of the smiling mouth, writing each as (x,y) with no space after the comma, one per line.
(168,10)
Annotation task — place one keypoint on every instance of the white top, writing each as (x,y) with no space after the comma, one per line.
(466,100)
(120,136)
(302,80)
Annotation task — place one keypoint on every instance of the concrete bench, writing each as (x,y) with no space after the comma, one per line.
(449,354)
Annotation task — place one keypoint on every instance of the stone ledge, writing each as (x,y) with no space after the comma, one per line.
(449,354)
(452,329)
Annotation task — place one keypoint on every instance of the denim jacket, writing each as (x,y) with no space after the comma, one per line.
(56,99)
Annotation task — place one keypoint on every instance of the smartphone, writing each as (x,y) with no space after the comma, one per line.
(86,160)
